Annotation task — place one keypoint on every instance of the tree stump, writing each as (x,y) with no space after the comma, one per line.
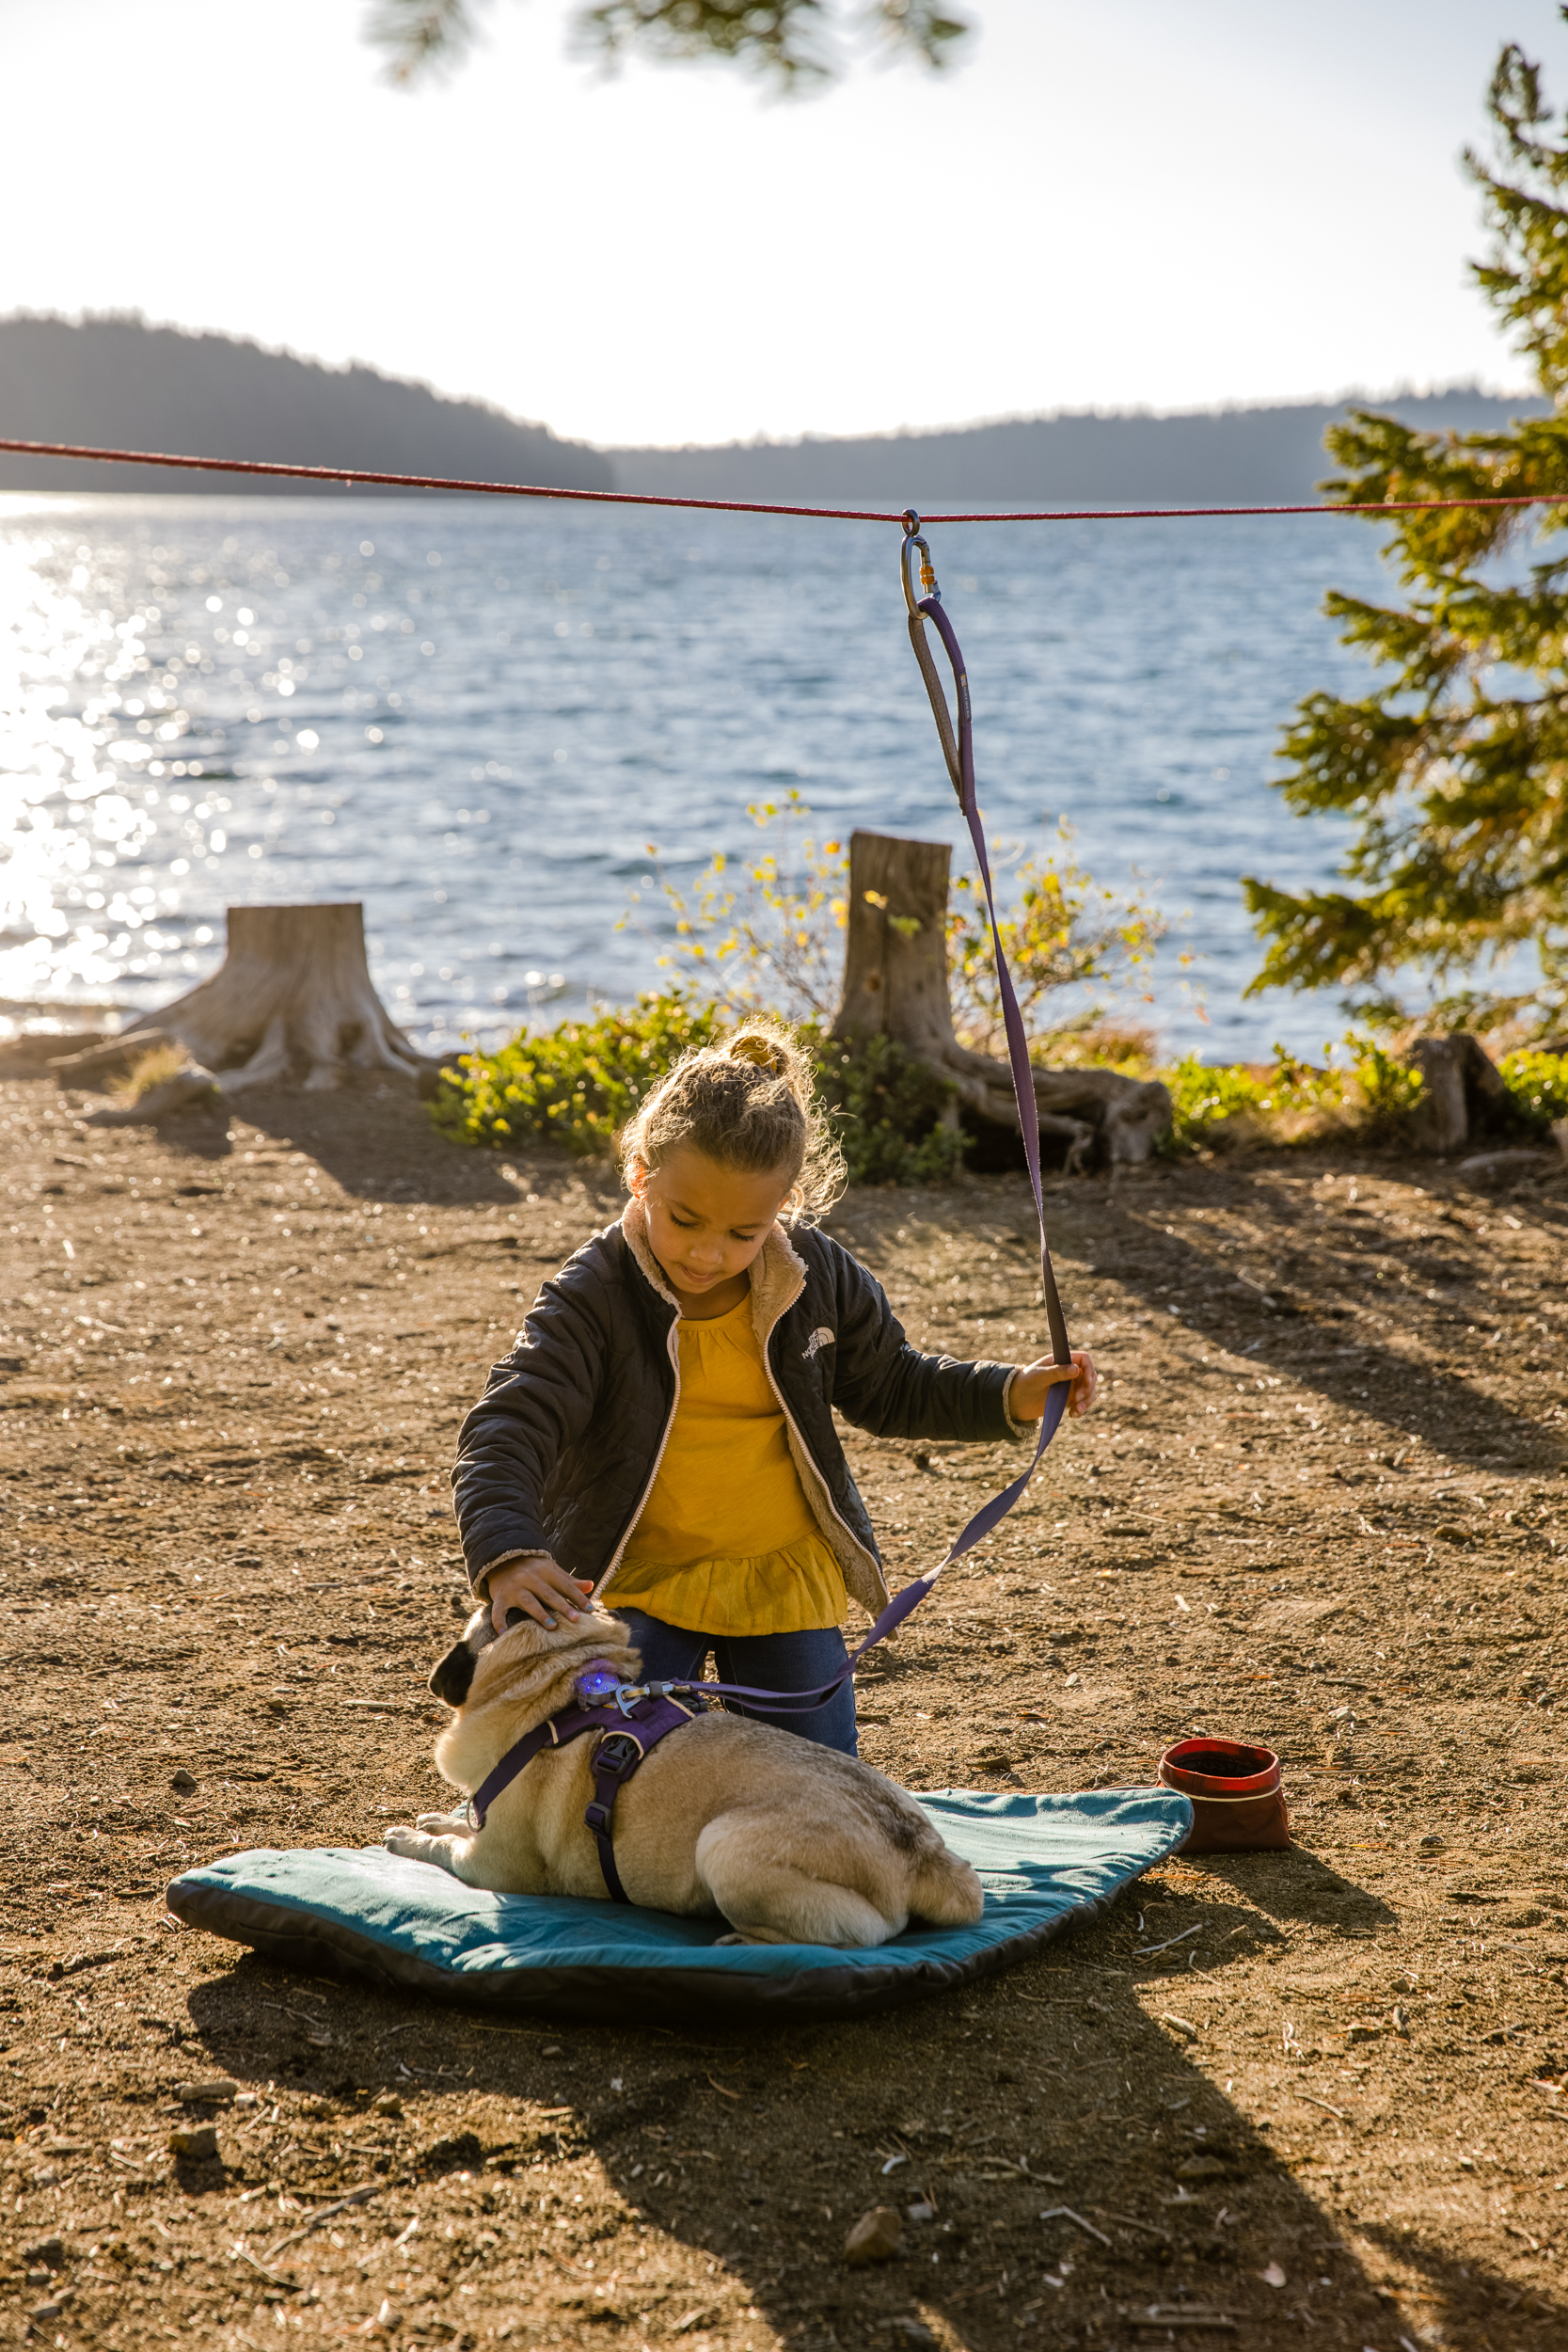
(896,984)
(1464,1098)
(291,1004)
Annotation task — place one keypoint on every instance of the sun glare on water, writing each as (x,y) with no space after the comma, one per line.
(207,701)
(95,739)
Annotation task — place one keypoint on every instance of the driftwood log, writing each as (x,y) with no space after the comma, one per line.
(107,1059)
(896,984)
(292,1003)
(36,1051)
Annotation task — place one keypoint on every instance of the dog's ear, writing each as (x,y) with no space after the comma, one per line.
(451,1678)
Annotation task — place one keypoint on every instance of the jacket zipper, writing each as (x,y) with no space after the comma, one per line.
(672,1343)
(869,1557)
(671,1347)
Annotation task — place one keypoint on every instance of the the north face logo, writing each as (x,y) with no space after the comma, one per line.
(817,1338)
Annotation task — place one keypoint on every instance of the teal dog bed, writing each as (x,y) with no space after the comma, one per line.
(368,1915)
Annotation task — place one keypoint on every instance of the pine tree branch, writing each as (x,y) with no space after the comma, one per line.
(420,38)
(797,44)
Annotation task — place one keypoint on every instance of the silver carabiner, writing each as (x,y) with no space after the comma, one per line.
(928,575)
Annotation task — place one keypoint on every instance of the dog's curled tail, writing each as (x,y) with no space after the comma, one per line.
(946,1891)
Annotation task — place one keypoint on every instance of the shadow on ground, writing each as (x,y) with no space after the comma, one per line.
(1088,2183)
(1295,1302)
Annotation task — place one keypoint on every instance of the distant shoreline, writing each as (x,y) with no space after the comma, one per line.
(1397,397)
(117,383)
(1231,455)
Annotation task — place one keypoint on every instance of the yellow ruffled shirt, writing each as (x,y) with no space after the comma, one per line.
(727,1543)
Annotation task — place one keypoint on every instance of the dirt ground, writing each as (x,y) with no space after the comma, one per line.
(1306,2099)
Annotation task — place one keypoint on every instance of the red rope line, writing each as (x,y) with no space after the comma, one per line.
(348,475)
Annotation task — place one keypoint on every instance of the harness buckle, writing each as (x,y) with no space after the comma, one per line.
(617,1753)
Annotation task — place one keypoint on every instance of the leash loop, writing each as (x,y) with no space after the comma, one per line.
(919,606)
(958,748)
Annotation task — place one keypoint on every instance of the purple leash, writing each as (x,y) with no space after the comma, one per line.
(958,749)
(629,1720)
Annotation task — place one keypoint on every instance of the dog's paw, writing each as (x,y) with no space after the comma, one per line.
(735,1937)
(413,1843)
(444,1824)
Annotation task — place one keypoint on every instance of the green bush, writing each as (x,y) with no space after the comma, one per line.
(1289,1099)
(1388,1090)
(889,1112)
(1538,1083)
(1204,1096)
(577,1085)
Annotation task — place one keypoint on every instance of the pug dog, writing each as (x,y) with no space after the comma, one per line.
(788,1842)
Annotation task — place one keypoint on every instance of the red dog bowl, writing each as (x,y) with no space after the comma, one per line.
(1237,1793)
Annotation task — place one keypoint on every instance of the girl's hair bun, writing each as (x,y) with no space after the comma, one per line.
(749,1104)
(762,1051)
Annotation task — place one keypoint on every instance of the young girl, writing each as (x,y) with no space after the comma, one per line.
(662,1435)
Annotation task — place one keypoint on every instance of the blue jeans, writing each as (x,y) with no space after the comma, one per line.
(767,1661)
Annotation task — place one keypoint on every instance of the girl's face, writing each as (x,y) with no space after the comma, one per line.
(707,1223)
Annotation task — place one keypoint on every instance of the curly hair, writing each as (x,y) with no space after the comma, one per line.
(749,1104)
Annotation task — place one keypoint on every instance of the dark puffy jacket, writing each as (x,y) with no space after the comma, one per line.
(561,1452)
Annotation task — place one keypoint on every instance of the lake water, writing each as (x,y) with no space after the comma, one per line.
(475,716)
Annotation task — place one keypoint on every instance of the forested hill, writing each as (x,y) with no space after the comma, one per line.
(1235,456)
(116,383)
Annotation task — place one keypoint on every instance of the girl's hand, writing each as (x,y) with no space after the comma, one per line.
(1026,1401)
(543,1591)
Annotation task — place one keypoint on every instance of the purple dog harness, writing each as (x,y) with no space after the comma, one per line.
(628,1732)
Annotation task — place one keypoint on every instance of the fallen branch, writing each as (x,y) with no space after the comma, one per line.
(1131,2223)
(237,2253)
(326,2213)
(1065,2213)
(1146,1951)
(1161,2315)
(1337,2112)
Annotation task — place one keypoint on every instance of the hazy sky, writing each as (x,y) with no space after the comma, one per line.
(1157,202)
